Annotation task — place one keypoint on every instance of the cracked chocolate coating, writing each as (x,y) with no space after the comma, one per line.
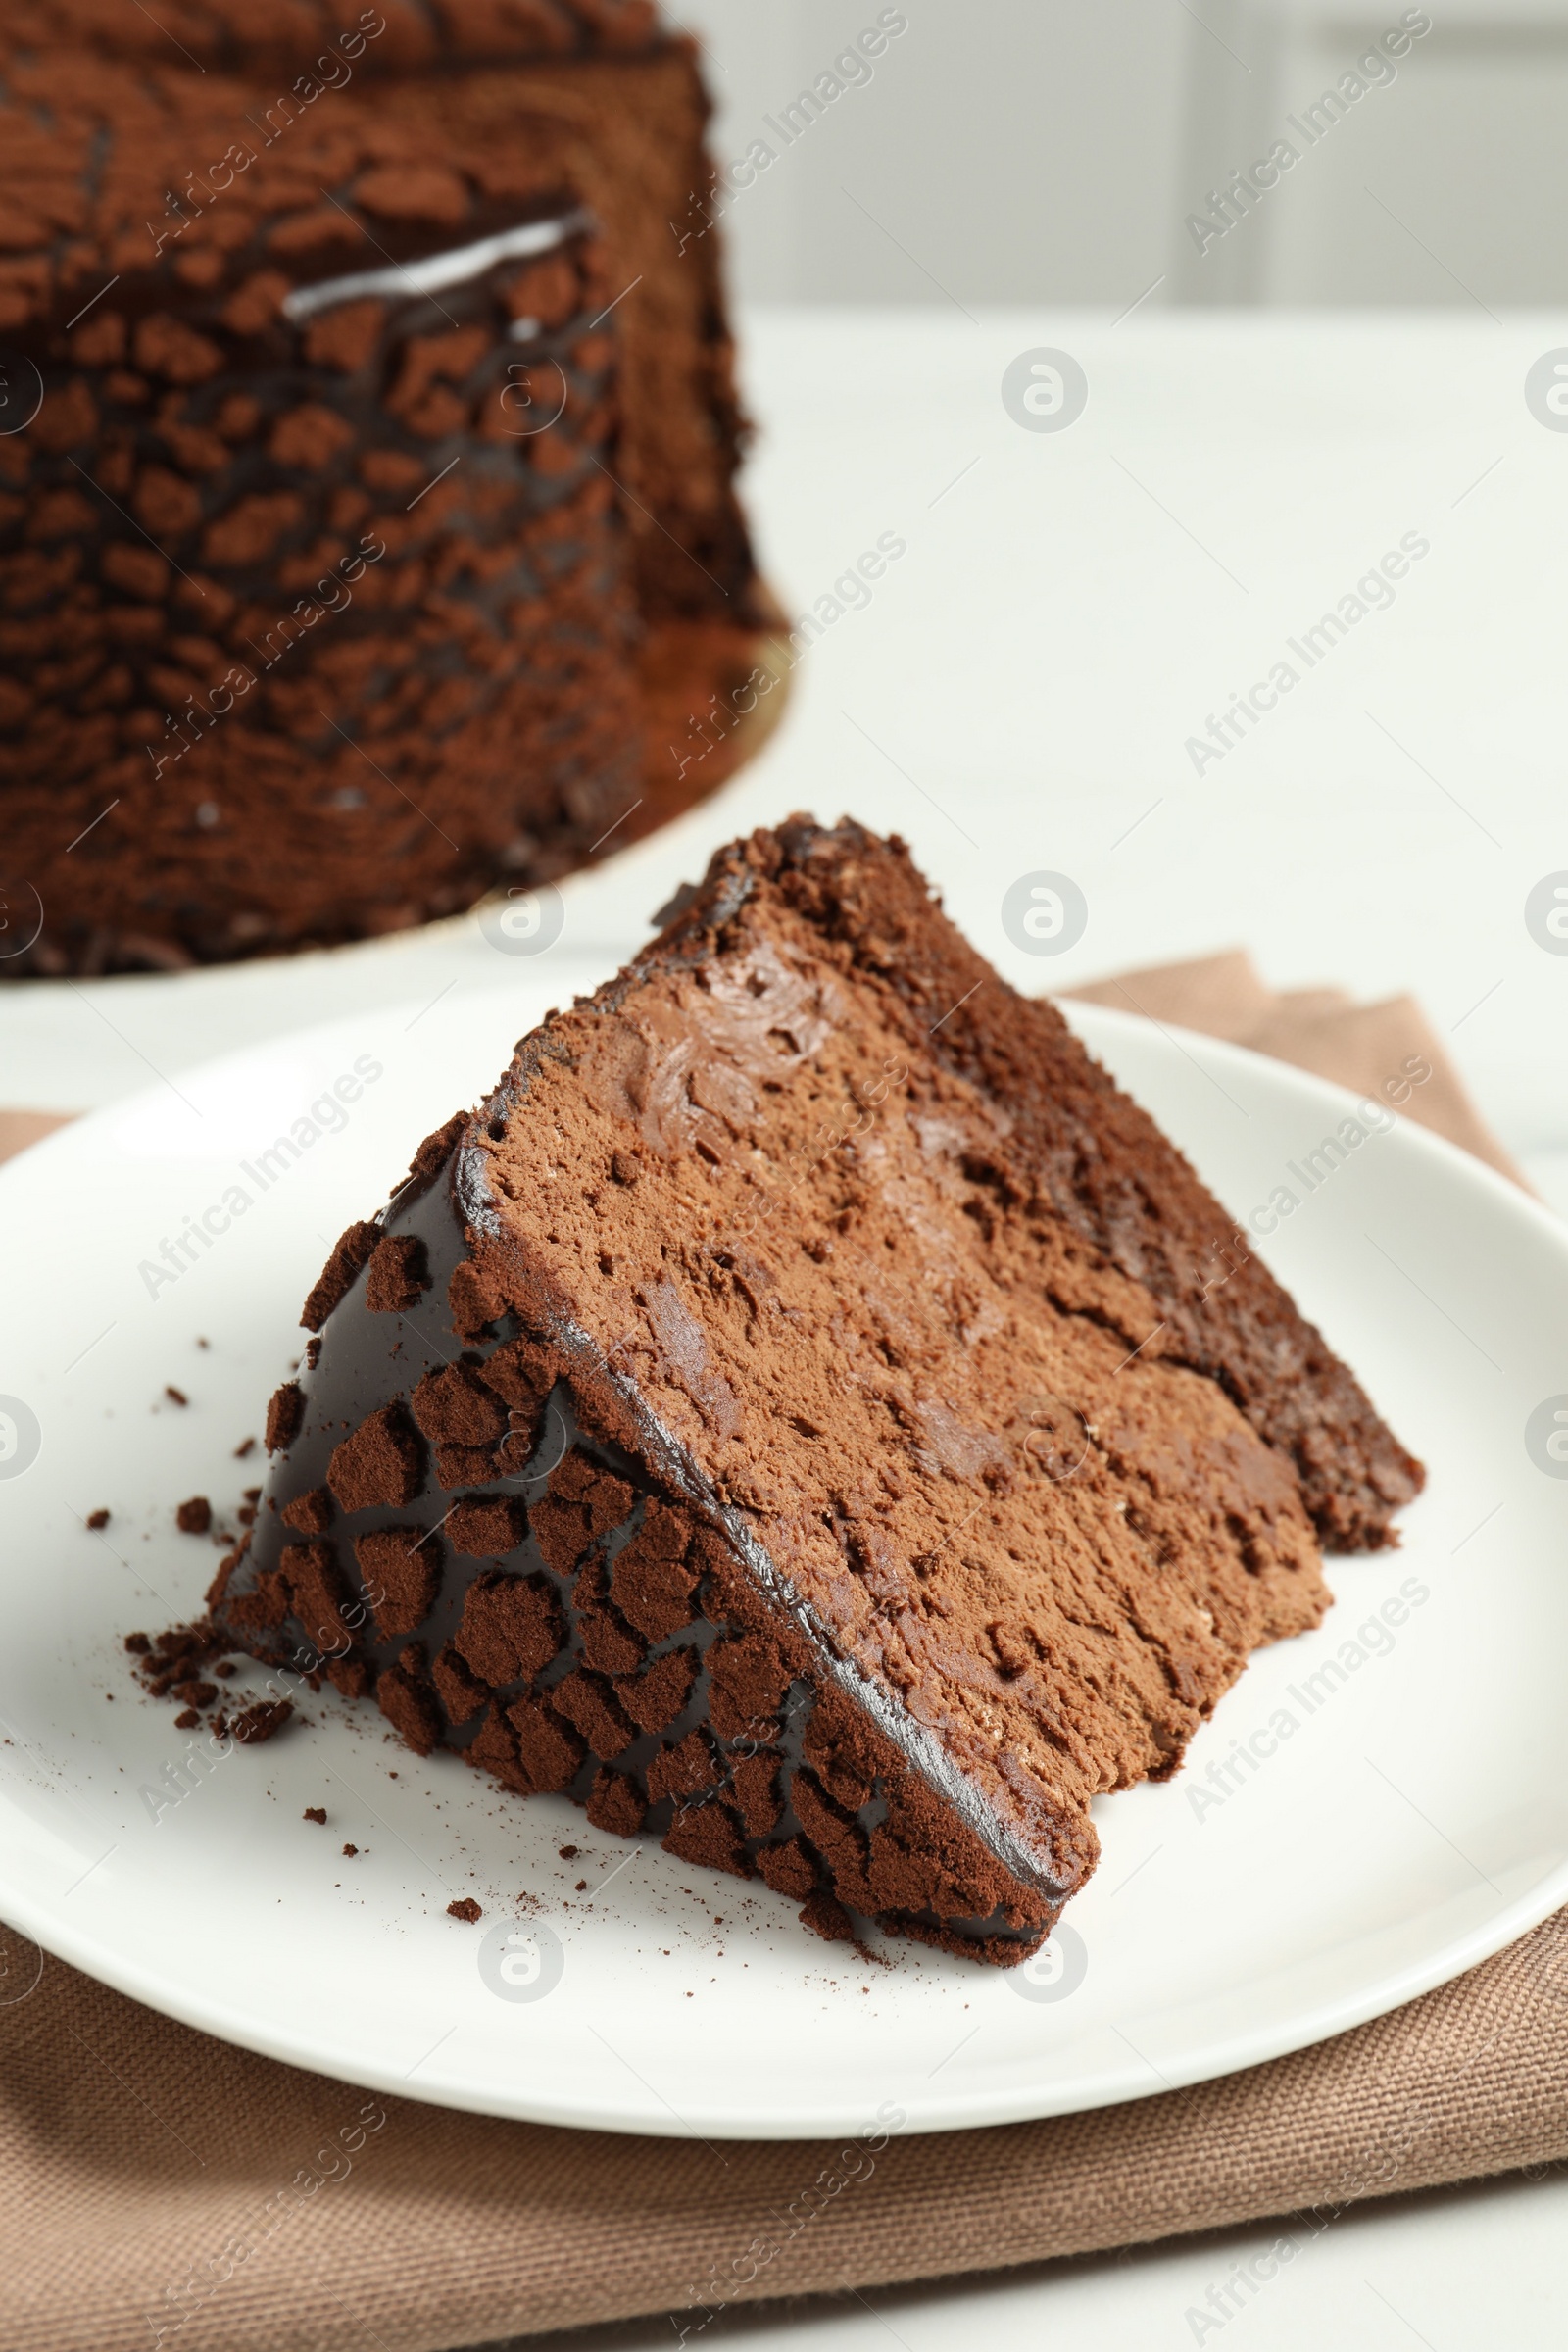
(678,1781)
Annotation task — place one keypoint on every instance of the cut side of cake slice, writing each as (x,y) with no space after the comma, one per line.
(796,1416)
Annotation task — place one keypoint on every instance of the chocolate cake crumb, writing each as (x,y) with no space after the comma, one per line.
(175,1395)
(380,1464)
(139,1644)
(351,1849)
(350,1253)
(225,1668)
(97,1519)
(465,1909)
(399,1274)
(195,1517)
(311,1513)
(284,1415)
(569,1853)
(262,1722)
(186,1720)
(316,1813)
(243,1450)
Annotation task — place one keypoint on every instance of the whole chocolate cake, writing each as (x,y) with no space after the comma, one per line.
(367,438)
(796,1415)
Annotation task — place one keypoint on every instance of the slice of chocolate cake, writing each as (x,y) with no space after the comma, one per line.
(796,1415)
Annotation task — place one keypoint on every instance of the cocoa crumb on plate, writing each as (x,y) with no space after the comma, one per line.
(264,1721)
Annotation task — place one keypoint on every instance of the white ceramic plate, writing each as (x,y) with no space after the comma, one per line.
(1377,1805)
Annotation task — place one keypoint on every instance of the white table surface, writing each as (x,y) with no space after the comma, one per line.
(1018,696)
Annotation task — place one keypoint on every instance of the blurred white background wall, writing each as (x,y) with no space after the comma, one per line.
(1049,151)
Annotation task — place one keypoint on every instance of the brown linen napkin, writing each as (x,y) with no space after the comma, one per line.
(157,2187)
(161,2188)
(1320,1029)
(20,1128)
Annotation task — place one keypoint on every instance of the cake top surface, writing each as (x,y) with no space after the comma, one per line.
(810,1269)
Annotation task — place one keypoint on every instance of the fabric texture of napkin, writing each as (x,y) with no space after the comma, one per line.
(161,2188)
